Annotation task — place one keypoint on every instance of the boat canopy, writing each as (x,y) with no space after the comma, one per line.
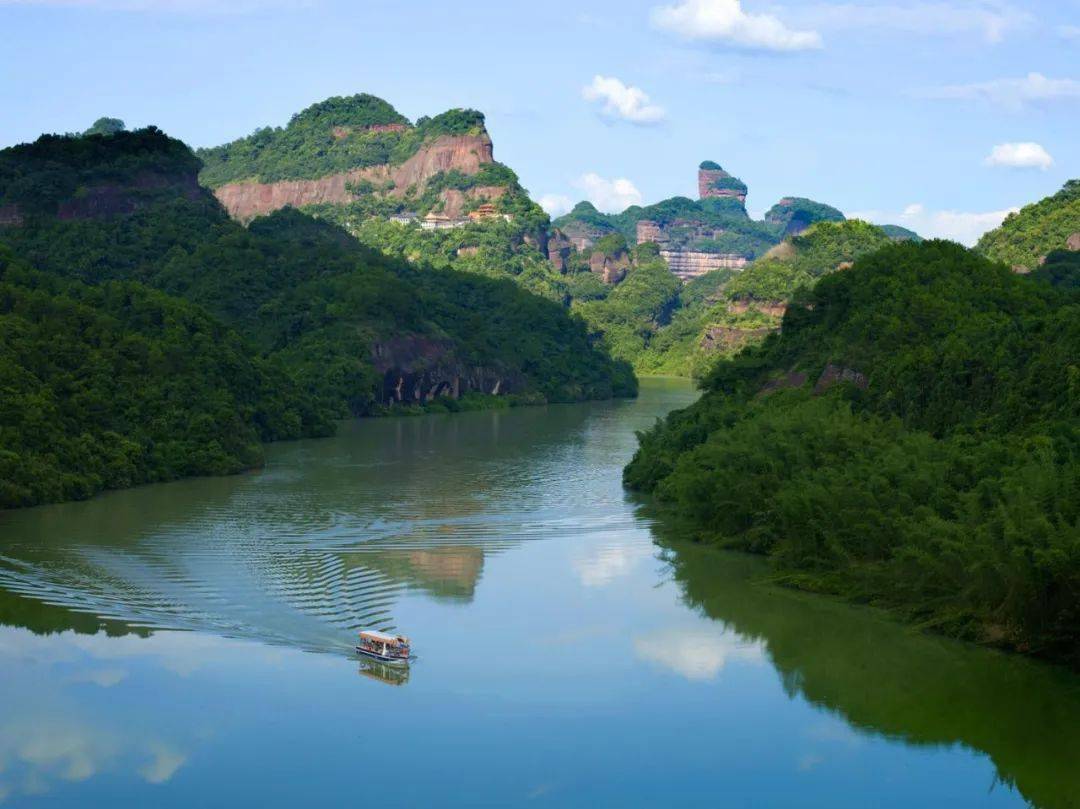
(382,637)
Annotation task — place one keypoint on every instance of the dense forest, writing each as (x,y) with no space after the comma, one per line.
(116,384)
(910,439)
(666,327)
(321,321)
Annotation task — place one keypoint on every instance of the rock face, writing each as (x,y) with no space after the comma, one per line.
(558,249)
(834,375)
(649,232)
(465,153)
(707,181)
(418,369)
(726,338)
(99,201)
(455,201)
(1073,242)
(612,268)
(688,264)
(771,308)
(792,379)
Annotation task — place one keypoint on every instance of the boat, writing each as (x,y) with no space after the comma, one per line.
(393,649)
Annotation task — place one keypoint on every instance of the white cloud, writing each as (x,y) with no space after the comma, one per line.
(622,101)
(163,764)
(610,196)
(990,20)
(1013,94)
(698,654)
(610,562)
(1071,32)
(1020,156)
(724,22)
(959,226)
(556,204)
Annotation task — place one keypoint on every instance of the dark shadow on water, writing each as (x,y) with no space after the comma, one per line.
(887,679)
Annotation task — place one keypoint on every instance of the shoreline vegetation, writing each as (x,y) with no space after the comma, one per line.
(145,336)
(911,440)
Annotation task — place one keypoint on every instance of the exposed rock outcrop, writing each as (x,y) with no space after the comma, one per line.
(558,249)
(835,374)
(417,369)
(465,153)
(771,308)
(98,201)
(728,338)
(612,268)
(792,379)
(713,181)
(650,232)
(1073,242)
(688,264)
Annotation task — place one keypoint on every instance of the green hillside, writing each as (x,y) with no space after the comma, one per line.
(1025,238)
(911,439)
(342,328)
(333,136)
(116,384)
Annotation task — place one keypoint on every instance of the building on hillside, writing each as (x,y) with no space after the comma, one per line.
(488,211)
(438,221)
(405,218)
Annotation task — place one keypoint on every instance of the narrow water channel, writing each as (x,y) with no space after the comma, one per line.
(190,644)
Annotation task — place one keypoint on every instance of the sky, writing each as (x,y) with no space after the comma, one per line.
(941,115)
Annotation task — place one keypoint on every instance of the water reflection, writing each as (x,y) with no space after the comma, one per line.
(536,657)
(883,678)
(698,654)
(323,542)
(384,673)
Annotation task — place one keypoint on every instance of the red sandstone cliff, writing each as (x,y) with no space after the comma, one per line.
(466,153)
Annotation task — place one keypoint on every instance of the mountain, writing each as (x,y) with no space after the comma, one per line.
(699,235)
(342,328)
(358,152)
(793,215)
(901,234)
(910,439)
(722,312)
(1027,237)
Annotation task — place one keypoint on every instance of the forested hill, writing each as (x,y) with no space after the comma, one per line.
(116,384)
(1026,238)
(333,327)
(911,439)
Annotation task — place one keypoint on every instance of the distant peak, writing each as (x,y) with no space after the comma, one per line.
(361,110)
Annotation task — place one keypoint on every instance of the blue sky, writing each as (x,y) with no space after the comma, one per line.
(940,114)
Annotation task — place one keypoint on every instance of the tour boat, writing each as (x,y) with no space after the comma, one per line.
(393,649)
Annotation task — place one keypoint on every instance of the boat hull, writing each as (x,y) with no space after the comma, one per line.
(393,661)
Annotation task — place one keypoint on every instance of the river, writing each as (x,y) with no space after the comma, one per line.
(189,644)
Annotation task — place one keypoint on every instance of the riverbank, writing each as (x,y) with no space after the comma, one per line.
(144,633)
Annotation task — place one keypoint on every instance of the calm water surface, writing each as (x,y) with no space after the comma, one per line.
(189,645)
